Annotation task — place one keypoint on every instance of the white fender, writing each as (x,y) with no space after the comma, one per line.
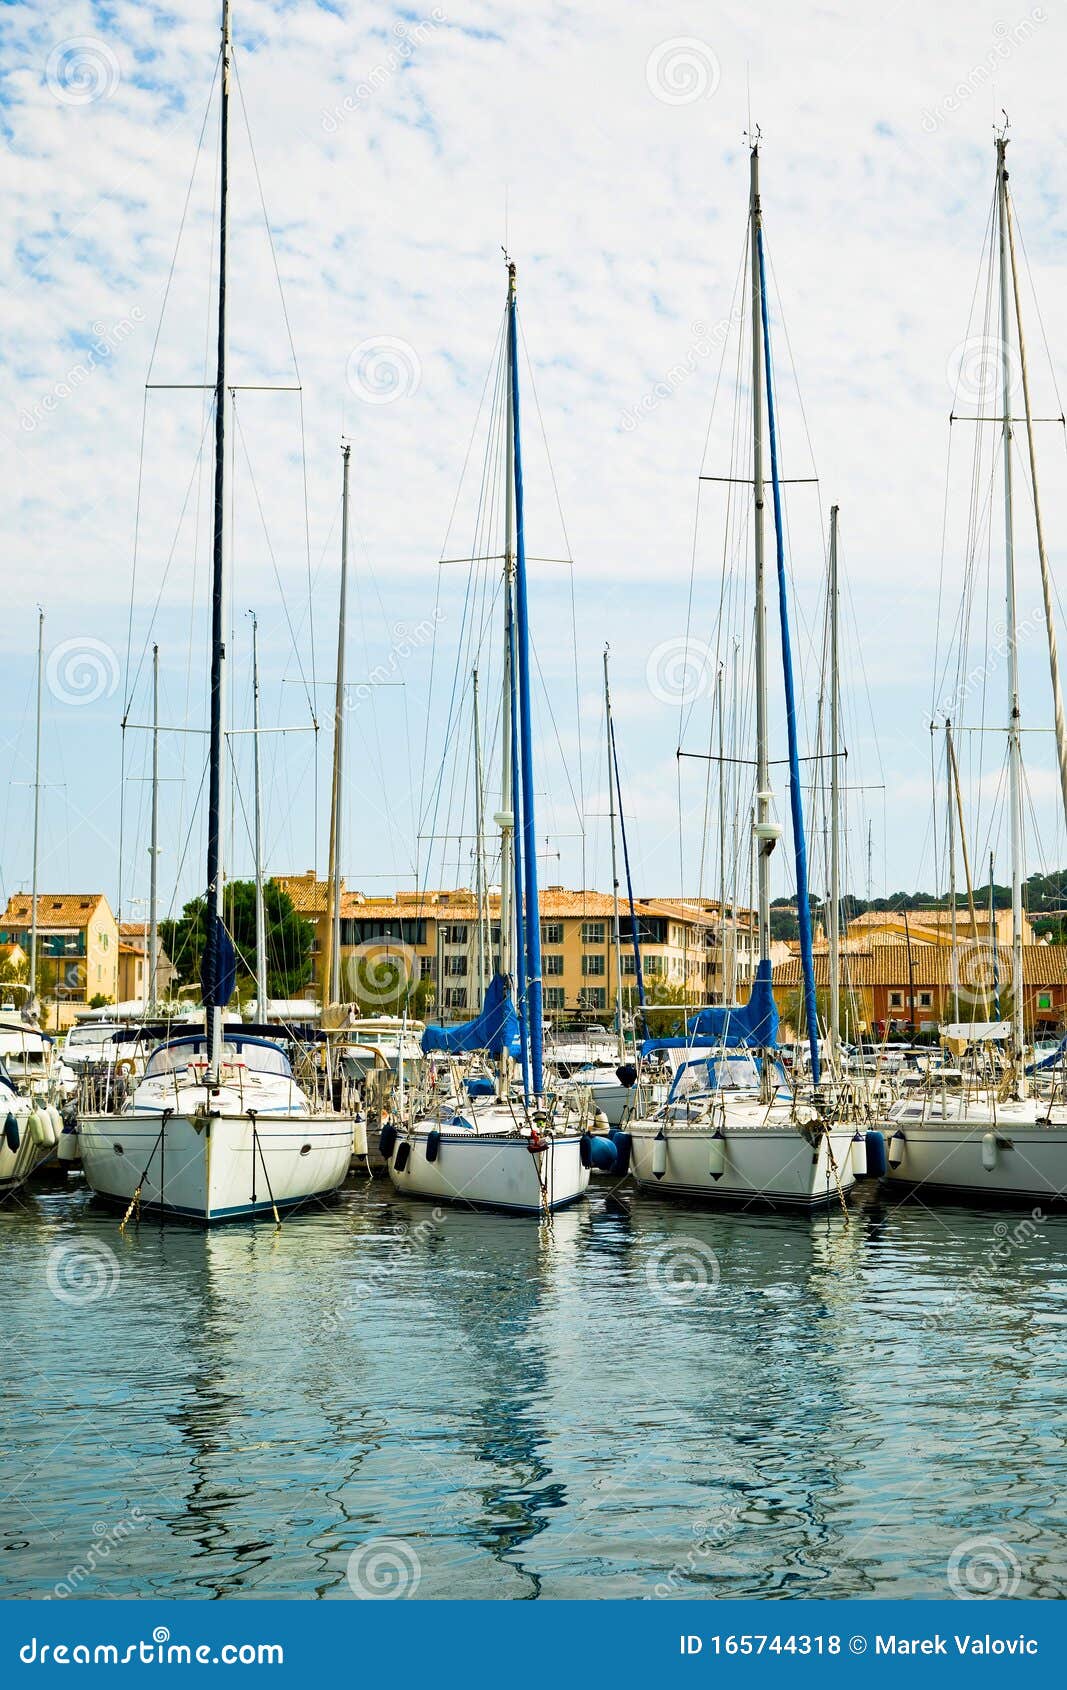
(989,1152)
(717,1156)
(659,1155)
(897,1146)
(859,1156)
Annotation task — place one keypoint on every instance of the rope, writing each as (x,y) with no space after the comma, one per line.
(135,1200)
(256,1146)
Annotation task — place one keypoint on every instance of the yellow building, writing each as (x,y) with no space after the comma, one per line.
(923,927)
(134,964)
(77,947)
(433,936)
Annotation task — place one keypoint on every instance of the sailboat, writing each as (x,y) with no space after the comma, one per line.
(218,1127)
(487,1142)
(732,1129)
(1003,1139)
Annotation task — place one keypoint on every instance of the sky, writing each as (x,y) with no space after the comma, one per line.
(397,151)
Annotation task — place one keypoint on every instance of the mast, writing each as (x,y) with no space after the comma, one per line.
(506,818)
(217,974)
(1046,575)
(724,997)
(261,920)
(993,944)
(835,806)
(764,834)
(952,875)
(153,872)
(796,799)
(635,935)
(616,926)
(479,843)
(531,969)
(332,960)
(36,813)
(1015,772)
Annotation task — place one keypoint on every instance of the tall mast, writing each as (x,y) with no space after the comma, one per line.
(835,806)
(530,972)
(153,853)
(1015,774)
(36,813)
(217,965)
(505,818)
(764,839)
(724,998)
(479,842)
(332,960)
(949,800)
(616,927)
(1046,575)
(261,919)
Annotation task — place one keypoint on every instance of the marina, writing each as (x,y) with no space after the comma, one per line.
(672,1405)
(630,1162)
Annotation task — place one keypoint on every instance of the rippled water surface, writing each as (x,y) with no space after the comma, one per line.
(677,1402)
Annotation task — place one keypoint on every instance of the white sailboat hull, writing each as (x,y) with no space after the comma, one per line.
(483,1170)
(1008,1154)
(772,1165)
(215,1168)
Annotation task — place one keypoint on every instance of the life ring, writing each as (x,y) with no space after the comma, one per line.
(125,1065)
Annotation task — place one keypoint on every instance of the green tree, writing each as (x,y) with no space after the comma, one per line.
(289,939)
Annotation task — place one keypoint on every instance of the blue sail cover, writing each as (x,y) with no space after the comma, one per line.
(495,1030)
(752,1025)
(218,970)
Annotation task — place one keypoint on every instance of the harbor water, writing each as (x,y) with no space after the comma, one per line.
(385,1398)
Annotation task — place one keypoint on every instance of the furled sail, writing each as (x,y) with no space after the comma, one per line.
(752,1025)
(495,1030)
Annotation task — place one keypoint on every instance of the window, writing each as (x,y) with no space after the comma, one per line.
(555,997)
(455,997)
(629,965)
(653,965)
(552,933)
(427,969)
(1044,1000)
(455,933)
(896,1000)
(552,962)
(592,932)
(925,1000)
(456,965)
(103,941)
(592,965)
(593,997)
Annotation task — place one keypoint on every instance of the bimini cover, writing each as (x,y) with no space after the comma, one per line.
(1053,1060)
(752,1025)
(495,1030)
